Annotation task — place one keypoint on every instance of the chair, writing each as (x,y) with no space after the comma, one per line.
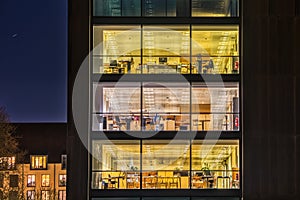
(173,182)
(162,182)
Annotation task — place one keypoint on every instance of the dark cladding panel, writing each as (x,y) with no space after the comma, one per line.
(282,8)
(255,8)
(280,121)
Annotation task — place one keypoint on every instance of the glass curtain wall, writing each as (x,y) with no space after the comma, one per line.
(165,164)
(166,49)
(166,8)
(162,106)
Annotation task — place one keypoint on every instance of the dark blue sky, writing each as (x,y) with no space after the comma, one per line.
(33,59)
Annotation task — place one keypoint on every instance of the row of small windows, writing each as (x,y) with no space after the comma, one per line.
(36,162)
(167,8)
(33,195)
(45,195)
(41,162)
(31,180)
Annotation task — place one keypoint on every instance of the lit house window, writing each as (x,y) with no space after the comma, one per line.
(62,180)
(38,162)
(62,195)
(45,180)
(45,195)
(31,180)
(30,195)
(7,163)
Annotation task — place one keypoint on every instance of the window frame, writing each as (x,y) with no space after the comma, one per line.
(44,159)
(45,179)
(60,176)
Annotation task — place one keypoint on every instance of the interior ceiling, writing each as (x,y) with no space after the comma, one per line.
(205,152)
(129,99)
(210,7)
(170,41)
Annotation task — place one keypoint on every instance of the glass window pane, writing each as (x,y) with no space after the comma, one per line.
(166,106)
(215,8)
(166,8)
(166,198)
(215,49)
(166,49)
(116,106)
(62,180)
(215,106)
(117,7)
(128,198)
(117,49)
(30,180)
(215,164)
(116,164)
(215,198)
(13,180)
(165,164)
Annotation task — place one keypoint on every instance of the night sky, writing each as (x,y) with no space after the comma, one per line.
(33,60)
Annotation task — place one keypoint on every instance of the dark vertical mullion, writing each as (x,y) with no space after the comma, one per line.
(141,105)
(141,163)
(121,7)
(142,7)
(190,8)
(191,42)
(166,4)
(190,179)
(142,46)
(91,71)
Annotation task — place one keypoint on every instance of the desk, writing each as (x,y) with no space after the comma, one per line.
(157,182)
(114,178)
(203,123)
(209,179)
(225,180)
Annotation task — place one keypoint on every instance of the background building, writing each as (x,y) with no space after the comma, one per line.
(42,173)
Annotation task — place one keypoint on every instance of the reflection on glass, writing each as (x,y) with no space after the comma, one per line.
(117,106)
(166,49)
(215,8)
(116,165)
(160,8)
(117,49)
(166,198)
(215,164)
(215,106)
(215,50)
(117,7)
(166,107)
(165,164)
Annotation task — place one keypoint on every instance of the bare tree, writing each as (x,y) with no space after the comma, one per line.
(8,144)
(10,155)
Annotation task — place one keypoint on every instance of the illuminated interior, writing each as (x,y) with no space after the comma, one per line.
(166,8)
(166,49)
(38,162)
(165,164)
(165,107)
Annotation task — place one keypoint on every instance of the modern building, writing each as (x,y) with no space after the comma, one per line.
(165,100)
(42,172)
